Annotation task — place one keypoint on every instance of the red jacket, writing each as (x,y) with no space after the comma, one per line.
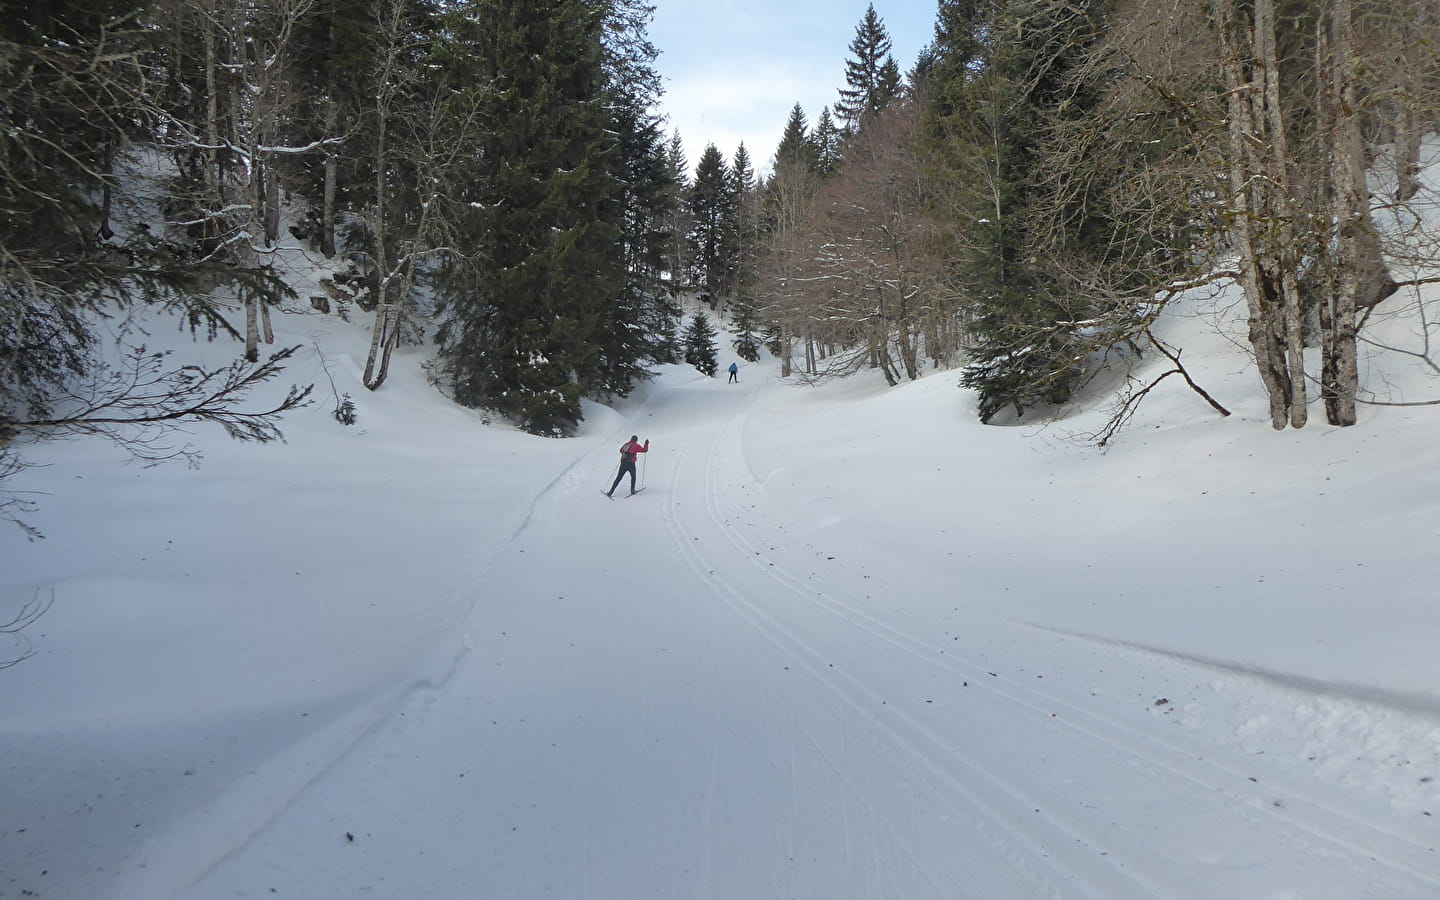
(631,448)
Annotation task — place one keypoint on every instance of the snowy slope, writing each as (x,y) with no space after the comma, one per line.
(848,644)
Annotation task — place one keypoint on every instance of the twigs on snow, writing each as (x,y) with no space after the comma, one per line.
(1131,398)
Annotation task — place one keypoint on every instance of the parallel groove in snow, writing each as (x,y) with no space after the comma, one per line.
(1411,864)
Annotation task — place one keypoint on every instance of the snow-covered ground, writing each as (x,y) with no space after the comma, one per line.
(848,643)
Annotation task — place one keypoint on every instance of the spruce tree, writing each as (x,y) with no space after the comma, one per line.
(81,86)
(639,325)
(700,346)
(712,210)
(774,339)
(964,34)
(890,85)
(827,140)
(745,227)
(871,74)
(796,146)
(747,324)
(795,176)
(524,313)
(747,235)
(677,258)
(1030,346)
(64,112)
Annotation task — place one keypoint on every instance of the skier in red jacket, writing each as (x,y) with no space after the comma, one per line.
(627,462)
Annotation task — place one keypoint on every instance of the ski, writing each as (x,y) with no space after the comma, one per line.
(631,494)
(606,495)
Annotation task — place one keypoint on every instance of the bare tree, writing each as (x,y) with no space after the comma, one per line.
(868,278)
(1270,238)
(789,207)
(1288,108)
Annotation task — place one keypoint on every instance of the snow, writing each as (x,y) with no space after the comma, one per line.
(849,643)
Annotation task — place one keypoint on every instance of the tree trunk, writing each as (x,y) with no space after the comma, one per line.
(386,319)
(106,200)
(1357,249)
(272,206)
(1245,212)
(909,350)
(1265,229)
(332,166)
(379,335)
(892,377)
(252,303)
(214,171)
(1286,247)
(245,250)
(1407,151)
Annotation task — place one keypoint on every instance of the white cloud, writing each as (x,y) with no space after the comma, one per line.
(748,103)
(735,68)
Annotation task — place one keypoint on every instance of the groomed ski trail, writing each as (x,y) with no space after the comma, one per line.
(692,697)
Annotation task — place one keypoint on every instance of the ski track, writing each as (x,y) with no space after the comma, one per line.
(980,799)
(967,797)
(1411,863)
(803,655)
(1176,760)
(733,600)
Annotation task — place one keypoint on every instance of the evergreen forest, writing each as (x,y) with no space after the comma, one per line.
(1018,204)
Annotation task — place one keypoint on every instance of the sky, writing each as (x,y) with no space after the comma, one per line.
(733,69)
(849,643)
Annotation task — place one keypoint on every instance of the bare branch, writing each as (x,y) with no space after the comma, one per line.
(144,393)
(21,647)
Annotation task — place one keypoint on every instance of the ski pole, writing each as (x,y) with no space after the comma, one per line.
(644,461)
(617,471)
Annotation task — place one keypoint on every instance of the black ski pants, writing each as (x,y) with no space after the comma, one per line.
(626,465)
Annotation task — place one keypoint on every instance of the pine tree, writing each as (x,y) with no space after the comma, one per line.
(1030,346)
(827,140)
(963,37)
(712,212)
(747,324)
(774,339)
(524,314)
(794,176)
(640,323)
(81,86)
(956,57)
(64,111)
(700,347)
(872,76)
(890,85)
(677,259)
(745,227)
(796,147)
